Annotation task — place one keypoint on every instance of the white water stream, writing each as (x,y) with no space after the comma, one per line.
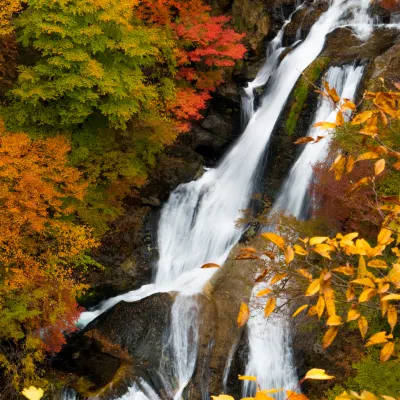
(270,356)
(197,224)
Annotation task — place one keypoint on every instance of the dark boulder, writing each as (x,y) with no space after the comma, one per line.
(124,342)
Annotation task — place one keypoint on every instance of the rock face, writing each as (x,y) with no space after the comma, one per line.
(219,333)
(125,341)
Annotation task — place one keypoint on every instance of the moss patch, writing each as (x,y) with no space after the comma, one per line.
(303,86)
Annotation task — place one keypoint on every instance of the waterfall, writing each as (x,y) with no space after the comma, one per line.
(293,195)
(197,224)
(185,338)
(270,356)
(274,50)
(68,394)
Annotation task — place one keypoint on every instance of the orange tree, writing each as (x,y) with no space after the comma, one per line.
(42,254)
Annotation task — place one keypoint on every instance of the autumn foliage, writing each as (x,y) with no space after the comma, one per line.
(40,250)
(344,279)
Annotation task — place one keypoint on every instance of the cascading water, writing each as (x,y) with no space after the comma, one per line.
(197,224)
(270,356)
(292,197)
(274,50)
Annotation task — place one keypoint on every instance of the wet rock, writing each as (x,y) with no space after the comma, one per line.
(220,126)
(125,341)
(386,67)
(356,49)
(303,20)
(390,5)
(219,332)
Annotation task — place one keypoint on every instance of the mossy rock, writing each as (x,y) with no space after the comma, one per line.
(303,86)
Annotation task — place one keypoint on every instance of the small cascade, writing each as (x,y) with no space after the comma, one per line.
(69,394)
(184,339)
(293,195)
(274,50)
(140,391)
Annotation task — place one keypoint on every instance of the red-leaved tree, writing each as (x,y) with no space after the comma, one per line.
(205,45)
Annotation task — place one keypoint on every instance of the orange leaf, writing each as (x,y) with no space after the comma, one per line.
(274,238)
(269,307)
(329,336)
(244,314)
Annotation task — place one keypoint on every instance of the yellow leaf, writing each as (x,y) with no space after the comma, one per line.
(329,336)
(387,351)
(318,374)
(392,316)
(244,314)
(379,338)
(325,125)
(391,297)
(247,378)
(295,396)
(289,255)
(363,326)
(384,236)
(222,397)
(350,293)
(210,265)
(362,268)
(362,182)
(361,117)
(339,119)
(305,273)
(329,300)
(367,396)
(350,164)
(366,295)
(377,264)
(263,292)
(348,105)
(312,311)
(262,396)
(299,310)
(277,278)
(346,270)
(33,393)
(364,282)
(387,397)
(379,166)
(300,250)
(323,250)
(384,288)
(352,315)
(274,238)
(334,320)
(318,240)
(269,307)
(320,306)
(313,287)
(370,155)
